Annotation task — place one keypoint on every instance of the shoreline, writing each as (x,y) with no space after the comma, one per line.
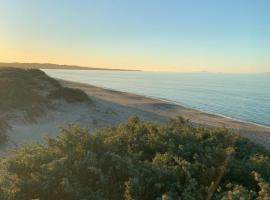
(168,109)
(181,105)
(170,102)
(23,65)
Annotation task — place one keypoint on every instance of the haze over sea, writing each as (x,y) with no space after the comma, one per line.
(241,96)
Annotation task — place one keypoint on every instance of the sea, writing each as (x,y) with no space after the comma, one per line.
(245,97)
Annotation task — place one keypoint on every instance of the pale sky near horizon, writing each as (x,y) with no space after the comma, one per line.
(152,35)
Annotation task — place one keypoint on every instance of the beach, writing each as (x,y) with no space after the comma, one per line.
(109,108)
(161,111)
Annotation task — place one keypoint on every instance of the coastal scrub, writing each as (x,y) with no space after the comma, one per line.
(138,160)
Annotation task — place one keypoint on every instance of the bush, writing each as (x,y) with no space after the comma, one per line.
(20,90)
(137,160)
(68,94)
(28,90)
(4,126)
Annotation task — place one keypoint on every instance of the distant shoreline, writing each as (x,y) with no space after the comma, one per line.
(55,66)
(77,67)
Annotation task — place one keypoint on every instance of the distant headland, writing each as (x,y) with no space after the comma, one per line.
(54,66)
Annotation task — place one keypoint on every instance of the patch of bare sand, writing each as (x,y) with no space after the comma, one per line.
(97,114)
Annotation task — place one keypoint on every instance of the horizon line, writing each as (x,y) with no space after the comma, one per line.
(121,69)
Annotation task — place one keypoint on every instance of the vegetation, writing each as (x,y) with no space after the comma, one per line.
(138,160)
(31,92)
(18,90)
(3,129)
(69,94)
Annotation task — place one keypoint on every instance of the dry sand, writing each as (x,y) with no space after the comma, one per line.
(109,108)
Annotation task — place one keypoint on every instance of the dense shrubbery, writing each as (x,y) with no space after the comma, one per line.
(138,160)
(18,90)
(69,94)
(28,90)
(4,126)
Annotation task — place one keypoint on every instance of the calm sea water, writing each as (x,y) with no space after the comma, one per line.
(241,96)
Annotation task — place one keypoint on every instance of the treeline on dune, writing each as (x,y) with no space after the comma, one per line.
(138,161)
(30,92)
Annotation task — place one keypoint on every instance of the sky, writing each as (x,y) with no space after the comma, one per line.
(151,35)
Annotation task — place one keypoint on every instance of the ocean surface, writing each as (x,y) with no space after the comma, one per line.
(241,96)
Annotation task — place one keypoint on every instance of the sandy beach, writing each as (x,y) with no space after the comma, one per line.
(159,110)
(109,108)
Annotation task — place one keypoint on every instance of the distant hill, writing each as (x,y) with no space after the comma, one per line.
(53,66)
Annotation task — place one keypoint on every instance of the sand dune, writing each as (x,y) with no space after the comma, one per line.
(97,114)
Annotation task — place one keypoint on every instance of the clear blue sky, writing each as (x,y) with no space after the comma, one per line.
(167,35)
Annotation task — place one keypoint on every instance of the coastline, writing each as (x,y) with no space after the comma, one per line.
(55,66)
(179,104)
(215,96)
(167,109)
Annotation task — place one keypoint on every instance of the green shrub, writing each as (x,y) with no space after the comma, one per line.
(4,126)
(19,90)
(137,160)
(69,94)
(28,90)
